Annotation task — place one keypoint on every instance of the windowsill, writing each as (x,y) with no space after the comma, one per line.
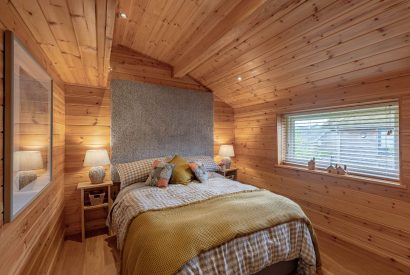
(388,183)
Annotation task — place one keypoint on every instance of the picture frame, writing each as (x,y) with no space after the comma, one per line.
(28,128)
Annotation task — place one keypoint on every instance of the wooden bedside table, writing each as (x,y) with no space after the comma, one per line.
(85,188)
(231,173)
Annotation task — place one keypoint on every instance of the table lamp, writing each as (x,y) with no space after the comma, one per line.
(96,159)
(226,152)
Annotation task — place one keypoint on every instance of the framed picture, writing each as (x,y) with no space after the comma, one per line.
(28,128)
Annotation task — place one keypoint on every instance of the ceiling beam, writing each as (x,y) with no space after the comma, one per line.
(201,45)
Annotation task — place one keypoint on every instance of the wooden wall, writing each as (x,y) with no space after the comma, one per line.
(88,125)
(88,120)
(31,243)
(223,125)
(373,217)
(131,65)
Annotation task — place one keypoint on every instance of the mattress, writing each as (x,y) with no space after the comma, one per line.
(245,255)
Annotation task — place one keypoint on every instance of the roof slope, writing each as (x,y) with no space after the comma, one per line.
(275,47)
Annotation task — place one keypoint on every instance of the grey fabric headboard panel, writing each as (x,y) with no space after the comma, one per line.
(151,121)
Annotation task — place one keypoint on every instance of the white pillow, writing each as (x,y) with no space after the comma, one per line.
(137,171)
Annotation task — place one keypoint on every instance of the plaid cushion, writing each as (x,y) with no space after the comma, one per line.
(137,171)
(207,161)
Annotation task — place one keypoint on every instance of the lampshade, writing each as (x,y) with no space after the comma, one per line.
(226,151)
(96,158)
(27,160)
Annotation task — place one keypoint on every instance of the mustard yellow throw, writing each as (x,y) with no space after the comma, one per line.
(162,241)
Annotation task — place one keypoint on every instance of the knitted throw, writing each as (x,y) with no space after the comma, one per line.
(162,241)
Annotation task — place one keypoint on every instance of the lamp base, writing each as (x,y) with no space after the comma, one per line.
(97,174)
(227,162)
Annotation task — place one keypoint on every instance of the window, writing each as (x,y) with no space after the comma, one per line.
(365,138)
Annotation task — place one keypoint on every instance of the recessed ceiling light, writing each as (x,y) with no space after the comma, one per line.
(123,15)
(239,78)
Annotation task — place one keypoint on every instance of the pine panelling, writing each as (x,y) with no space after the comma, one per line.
(318,30)
(339,257)
(374,217)
(201,47)
(327,34)
(40,226)
(75,35)
(88,124)
(130,65)
(31,243)
(223,125)
(279,47)
(12,20)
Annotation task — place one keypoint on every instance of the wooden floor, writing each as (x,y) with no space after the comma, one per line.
(98,255)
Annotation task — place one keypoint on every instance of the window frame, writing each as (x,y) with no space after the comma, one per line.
(280,163)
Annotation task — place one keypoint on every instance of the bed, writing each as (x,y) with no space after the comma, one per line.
(149,235)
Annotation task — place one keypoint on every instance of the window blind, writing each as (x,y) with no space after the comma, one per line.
(365,138)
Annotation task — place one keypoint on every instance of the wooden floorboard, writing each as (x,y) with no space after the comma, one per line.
(98,255)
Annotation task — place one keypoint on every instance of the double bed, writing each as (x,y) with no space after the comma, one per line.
(216,226)
(219,226)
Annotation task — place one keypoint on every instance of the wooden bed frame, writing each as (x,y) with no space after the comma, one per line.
(281,268)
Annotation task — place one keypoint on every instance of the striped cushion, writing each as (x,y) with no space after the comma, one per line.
(137,171)
(207,161)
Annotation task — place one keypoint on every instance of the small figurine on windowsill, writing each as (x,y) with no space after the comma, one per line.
(341,171)
(337,169)
(331,169)
(312,164)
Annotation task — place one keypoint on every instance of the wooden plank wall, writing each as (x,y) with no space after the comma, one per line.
(88,120)
(373,217)
(31,243)
(131,65)
(88,125)
(223,125)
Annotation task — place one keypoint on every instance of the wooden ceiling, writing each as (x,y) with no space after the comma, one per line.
(76,35)
(278,48)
